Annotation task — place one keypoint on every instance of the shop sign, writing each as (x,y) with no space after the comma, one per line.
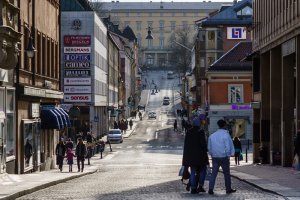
(77,98)
(77,40)
(240,107)
(77,57)
(35,110)
(77,81)
(31,91)
(77,89)
(77,49)
(236,33)
(72,65)
(77,73)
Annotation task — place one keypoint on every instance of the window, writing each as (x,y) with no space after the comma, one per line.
(138,14)
(127,14)
(211,35)
(150,14)
(246,11)
(161,43)
(185,24)
(235,94)
(173,25)
(150,23)
(126,23)
(161,25)
(138,25)
(210,60)
(173,14)
(150,43)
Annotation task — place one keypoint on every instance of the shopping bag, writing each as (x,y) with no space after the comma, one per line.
(296,163)
(241,156)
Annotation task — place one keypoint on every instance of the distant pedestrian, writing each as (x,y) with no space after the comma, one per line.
(115,125)
(130,124)
(80,153)
(195,156)
(69,144)
(70,155)
(28,152)
(102,147)
(108,142)
(220,147)
(183,123)
(60,152)
(237,149)
(175,125)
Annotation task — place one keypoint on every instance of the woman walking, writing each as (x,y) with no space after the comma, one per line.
(237,149)
(80,153)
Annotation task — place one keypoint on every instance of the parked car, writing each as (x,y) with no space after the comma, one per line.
(151,115)
(166,102)
(115,135)
(141,107)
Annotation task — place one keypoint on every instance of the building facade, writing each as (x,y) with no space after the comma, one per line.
(276,45)
(85,74)
(9,39)
(164,18)
(38,91)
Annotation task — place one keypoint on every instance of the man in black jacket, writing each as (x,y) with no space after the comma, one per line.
(80,153)
(195,155)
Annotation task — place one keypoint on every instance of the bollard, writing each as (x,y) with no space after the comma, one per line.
(246,155)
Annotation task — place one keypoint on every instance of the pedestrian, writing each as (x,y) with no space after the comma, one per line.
(108,142)
(70,155)
(195,156)
(60,152)
(79,135)
(237,150)
(175,125)
(80,154)
(69,144)
(126,123)
(130,124)
(183,125)
(102,147)
(220,147)
(28,152)
(116,125)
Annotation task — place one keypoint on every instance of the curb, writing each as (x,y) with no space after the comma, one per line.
(45,185)
(253,184)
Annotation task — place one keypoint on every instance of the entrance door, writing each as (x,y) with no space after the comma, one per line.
(2,146)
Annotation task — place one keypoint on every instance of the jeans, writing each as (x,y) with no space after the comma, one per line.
(224,163)
(80,159)
(197,177)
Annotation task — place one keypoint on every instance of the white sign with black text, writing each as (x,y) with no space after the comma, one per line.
(77,49)
(77,81)
(77,89)
(77,98)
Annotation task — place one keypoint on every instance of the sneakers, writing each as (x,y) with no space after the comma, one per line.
(210,192)
(230,191)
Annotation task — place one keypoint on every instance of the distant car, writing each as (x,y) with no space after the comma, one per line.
(166,102)
(151,115)
(115,136)
(167,98)
(141,107)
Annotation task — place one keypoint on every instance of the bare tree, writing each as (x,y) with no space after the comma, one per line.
(98,7)
(181,44)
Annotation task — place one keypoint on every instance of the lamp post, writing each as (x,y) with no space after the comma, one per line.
(30,50)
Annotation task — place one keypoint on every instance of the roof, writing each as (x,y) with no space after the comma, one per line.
(118,6)
(228,16)
(231,61)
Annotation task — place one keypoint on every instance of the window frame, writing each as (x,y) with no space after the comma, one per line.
(241,86)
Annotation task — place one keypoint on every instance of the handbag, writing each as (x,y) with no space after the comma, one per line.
(241,156)
(296,163)
(184,173)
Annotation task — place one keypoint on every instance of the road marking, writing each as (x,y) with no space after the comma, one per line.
(139,146)
(119,147)
(128,147)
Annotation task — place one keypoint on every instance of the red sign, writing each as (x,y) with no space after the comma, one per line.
(77,40)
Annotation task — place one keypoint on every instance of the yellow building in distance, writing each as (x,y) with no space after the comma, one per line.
(164,19)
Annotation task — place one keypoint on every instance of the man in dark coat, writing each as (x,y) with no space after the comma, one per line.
(80,153)
(195,156)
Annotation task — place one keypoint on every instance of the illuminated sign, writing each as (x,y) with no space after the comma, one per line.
(77,89)
(72,65)
(77,49)
(77,40)
(77,57)
(235,33)
(77,73)
(77,98)
(77,81)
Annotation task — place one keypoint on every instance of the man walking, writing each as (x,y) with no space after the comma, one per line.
(220,147)
(80,153)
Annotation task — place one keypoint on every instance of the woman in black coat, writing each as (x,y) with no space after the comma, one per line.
(195,157)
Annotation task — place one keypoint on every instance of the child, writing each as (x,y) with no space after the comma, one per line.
(70,156)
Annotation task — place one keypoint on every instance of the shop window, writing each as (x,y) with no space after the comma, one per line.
(235,94)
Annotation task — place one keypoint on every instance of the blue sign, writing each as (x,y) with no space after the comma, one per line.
(77,57)
(237,33)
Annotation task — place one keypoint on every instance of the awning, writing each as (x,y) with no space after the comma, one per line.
(54,119)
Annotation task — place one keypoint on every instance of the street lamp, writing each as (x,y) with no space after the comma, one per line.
(149,36)
(30,50)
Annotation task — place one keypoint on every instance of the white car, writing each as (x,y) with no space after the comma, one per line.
(115,135)
(151,115)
